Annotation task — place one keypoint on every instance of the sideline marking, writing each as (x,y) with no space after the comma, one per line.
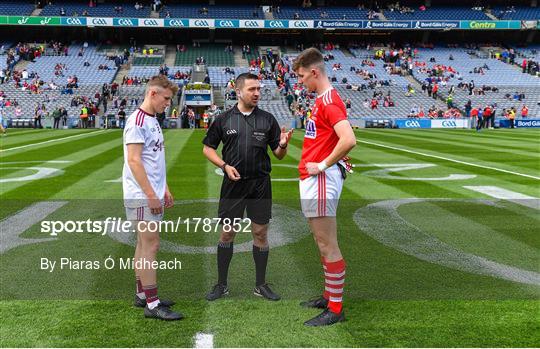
(504,194)
(386,170)
(52,140)
(204,340)
(449,159)
(15,225)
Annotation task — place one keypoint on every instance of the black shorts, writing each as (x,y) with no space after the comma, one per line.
(251,195)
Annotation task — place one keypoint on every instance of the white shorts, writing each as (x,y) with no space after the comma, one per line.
(319,195)
(142,213)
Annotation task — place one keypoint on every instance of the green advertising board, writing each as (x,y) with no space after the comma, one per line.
(31,20)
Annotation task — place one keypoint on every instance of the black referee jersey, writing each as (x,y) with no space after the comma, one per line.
(245,140)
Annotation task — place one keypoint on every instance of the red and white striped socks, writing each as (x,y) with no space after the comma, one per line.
(151,293)
(334,281)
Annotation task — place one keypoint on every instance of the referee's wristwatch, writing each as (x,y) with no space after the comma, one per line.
(283,146)
(223,167)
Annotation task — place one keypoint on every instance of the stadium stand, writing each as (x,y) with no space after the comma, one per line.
(351,13)
(75,65)
(148,61)
(437,13)
(149,71)
(74,8)
(212,11)
(517,13)
(359,76)
(214,55)
(16,8)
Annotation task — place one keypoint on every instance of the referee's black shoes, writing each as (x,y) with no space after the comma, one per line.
(162,312)
(217,292)
(326,318)
(317,302)
(265,292)
(141,303)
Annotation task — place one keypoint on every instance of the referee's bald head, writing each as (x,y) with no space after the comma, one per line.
(241,79)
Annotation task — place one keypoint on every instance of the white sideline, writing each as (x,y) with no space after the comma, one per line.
(51,140)
(504,194)
(449,159)
(204,340)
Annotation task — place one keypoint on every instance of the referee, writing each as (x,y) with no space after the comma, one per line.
(246,132)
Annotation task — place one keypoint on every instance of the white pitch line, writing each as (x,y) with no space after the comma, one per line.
(504,194)
(204,340)
(52,140)
(449,159)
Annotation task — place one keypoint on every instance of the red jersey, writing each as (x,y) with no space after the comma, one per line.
(320,138)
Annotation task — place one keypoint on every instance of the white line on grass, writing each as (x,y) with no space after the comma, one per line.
(504,194)
(204,340)
(449,159)
(51,140)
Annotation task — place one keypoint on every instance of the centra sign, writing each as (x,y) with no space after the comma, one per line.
(482,25)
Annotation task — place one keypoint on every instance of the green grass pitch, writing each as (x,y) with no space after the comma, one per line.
(434,260)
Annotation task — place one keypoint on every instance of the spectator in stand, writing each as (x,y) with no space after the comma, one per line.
(468,107)
(434,91)
(121,118)
(524,112)
(486,117)
(511,115)
(57,115)
(449,101)
(479,119)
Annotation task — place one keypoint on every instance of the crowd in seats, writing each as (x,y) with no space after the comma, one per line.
(516,13)
(211,11)
(94,8)
(396,11)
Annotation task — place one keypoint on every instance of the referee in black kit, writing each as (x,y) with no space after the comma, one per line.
(246,132)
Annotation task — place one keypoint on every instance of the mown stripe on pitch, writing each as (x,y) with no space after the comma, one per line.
(69,152)
(37,145)
(78,170)
(52,151)
(497,230)
(490,134)
(13,141)
(460,149)
(455,227)
(187,179)
(470,161)
(472,142)
(188,170)
(486,176)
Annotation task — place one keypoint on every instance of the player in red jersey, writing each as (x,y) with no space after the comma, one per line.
(328,139)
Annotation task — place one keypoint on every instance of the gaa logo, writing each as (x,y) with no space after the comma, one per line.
(73,21)
(99,21)
(251,24)
(276,24)
(201,23)
(410,123)
(300,24)
(226,24)
(125,22)
(176,23)
(231,132)
(449,123)
(150,22)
